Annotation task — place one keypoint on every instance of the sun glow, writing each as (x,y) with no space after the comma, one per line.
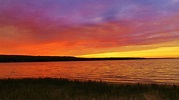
(162,52)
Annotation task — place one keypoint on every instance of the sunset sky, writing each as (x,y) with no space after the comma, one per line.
(90,28)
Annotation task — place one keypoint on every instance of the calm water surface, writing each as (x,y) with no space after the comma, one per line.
(130,71)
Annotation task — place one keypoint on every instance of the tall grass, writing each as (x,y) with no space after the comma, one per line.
(64,89)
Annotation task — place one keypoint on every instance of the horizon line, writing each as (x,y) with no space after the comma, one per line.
(87,57)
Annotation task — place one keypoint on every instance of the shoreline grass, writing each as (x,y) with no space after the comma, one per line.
(64,89)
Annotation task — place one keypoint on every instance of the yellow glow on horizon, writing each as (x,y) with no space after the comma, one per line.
(162,52)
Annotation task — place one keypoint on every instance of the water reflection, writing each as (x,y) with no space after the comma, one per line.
(132,71)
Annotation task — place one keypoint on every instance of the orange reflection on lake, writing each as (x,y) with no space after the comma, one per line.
(130,71)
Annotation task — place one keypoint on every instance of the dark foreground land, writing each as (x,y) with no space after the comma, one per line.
(64,89)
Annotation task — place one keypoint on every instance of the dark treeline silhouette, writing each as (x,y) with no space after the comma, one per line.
(25,58)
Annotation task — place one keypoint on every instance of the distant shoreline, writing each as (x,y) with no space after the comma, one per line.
(27,58)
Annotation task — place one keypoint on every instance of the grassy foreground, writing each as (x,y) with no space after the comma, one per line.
(64,89)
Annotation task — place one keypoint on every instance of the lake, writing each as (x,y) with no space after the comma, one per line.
(119,71)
